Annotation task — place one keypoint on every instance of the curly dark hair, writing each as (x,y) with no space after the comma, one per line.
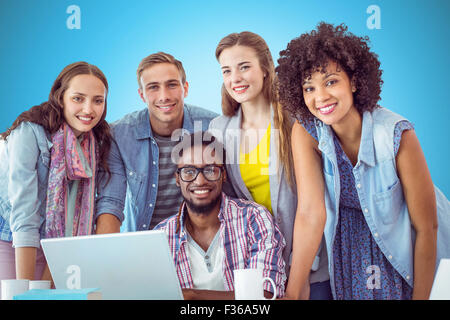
(311,52)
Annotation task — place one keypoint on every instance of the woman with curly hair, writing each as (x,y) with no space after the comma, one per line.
(48,166)
(256,134)
(362,178)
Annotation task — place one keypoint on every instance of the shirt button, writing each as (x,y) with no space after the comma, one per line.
(407,277)
(206,257)
(154,162)
(153,185)
(208,264)
(131,173)
(375,235)
(390,257)
(150,205)
(358,186)
(144,226)
(366,210)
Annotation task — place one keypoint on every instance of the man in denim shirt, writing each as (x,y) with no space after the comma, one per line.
(141,188)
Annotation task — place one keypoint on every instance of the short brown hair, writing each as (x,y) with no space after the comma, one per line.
(159,57)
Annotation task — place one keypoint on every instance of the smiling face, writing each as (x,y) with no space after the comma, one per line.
(164,93)
(243,77)
(202,196)
(84,103)
(329,95)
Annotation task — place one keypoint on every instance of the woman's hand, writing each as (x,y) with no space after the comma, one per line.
(46,275)
(303,295)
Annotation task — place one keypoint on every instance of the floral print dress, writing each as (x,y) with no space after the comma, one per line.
(357,258)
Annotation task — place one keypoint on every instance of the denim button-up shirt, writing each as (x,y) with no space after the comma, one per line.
(24,165)
(131,192)
(380,194)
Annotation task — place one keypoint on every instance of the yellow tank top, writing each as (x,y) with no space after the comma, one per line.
(254,168)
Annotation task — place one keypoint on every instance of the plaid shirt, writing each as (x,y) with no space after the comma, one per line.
(250,238)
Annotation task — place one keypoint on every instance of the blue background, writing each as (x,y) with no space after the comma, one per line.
(413,46)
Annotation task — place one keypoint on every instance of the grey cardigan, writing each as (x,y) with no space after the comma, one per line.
(283,197)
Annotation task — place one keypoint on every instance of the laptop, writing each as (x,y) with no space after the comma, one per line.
(133,265)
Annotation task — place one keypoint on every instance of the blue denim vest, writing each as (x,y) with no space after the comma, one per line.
(380,194)
(24,165)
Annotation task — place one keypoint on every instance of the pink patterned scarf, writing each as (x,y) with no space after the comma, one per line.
(66,165)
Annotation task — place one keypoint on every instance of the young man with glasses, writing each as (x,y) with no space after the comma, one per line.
(214,234)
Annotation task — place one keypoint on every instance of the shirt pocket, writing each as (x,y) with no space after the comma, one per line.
(329,192)
(388,204)
(134,185)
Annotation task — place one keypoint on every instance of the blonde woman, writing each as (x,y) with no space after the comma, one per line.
(256,134)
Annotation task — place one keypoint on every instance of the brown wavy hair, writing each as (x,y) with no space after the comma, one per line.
(282,120)
(312,51)
(49,114)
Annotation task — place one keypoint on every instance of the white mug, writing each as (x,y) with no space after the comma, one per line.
(248,285)
(13,287)
(40,284)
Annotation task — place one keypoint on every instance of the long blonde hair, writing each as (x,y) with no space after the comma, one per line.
(282,120)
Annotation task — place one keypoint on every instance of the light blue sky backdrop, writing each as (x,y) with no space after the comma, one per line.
(413,47)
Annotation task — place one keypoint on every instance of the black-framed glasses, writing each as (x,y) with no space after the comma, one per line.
(211,172)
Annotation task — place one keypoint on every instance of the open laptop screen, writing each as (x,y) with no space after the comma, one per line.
(133,265)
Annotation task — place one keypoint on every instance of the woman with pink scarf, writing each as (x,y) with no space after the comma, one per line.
(49,159)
